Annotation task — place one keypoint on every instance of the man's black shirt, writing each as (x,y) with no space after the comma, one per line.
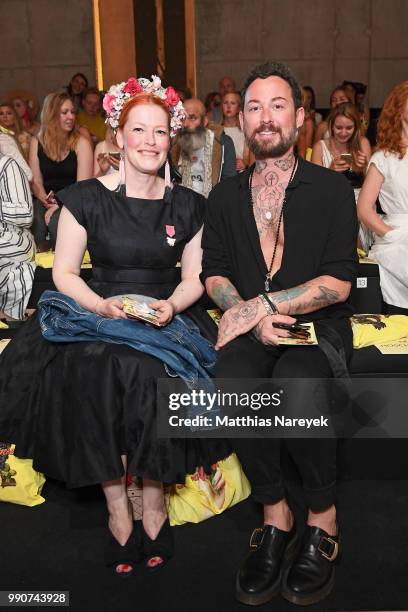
(320,235)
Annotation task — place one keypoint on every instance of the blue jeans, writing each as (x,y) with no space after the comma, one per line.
(179,345)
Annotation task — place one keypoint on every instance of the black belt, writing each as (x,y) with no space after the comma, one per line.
(137,275)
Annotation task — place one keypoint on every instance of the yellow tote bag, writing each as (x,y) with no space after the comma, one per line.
(205,495)
(369,329)
(19,482)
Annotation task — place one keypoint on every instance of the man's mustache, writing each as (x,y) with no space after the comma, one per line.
(267,127)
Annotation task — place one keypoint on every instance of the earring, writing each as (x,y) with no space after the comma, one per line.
(122,170)
(167,176)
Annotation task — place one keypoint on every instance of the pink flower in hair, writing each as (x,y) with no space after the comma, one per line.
(108,103)
(171,97)
(132,86)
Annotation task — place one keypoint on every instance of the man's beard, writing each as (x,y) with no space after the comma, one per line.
(264,149)
(191,140)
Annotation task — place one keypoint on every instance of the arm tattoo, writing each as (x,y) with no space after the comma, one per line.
(325,297)
(224,294)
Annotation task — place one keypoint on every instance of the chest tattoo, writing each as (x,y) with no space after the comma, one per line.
(267,201)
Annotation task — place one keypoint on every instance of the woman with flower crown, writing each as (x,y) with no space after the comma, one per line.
(86,411)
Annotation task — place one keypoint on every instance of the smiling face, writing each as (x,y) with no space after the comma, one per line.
(270,120)
(145,138)
(343,129)
(338,97)
(67,116)
(7,116)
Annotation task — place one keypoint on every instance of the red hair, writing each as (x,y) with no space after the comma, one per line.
(139,99)
(389,127)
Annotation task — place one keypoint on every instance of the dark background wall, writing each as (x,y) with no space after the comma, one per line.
(43,42)
(324,41)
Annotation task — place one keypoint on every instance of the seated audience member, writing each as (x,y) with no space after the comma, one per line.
(309,104)
(92,406)
(387,178)
(75,89)
(106,155)
(59,157)
(22,110)
(9,147)
(337,96)
(345,150)
(231,105)
(304,141)
(203,153)
(90,115)
(10,121)
(16,242)
(212,102)
(226,85)
(351,90)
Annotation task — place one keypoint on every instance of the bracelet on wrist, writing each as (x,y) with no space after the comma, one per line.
(268,304)
(271,303)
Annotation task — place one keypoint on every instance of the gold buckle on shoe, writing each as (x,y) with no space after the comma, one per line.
(335,551)
(253,544)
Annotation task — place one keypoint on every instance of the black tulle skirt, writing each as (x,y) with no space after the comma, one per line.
(76,408)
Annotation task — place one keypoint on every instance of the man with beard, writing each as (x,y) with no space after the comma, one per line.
(280,247)
(204,154)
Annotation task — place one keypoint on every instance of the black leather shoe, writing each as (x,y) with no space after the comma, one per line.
(260,575)
(311,575)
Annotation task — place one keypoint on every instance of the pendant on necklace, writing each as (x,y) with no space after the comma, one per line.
(268,215)
(267,284)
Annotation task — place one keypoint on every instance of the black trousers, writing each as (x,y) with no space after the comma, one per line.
(314,458)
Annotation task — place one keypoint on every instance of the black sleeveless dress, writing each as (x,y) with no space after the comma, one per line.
(76,408)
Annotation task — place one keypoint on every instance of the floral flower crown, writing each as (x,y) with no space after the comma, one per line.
(117,95)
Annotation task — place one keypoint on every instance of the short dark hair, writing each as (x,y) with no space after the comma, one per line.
(263,71)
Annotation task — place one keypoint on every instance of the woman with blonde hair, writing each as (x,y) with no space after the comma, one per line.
(22,109)
(10,121)
(230,107)
(345,150)
(59,156)
(387,179)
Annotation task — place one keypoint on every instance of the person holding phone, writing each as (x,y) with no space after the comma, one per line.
(345,150)
(106,155)
(58,157)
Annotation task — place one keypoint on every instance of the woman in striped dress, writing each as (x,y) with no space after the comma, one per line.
(16,242)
